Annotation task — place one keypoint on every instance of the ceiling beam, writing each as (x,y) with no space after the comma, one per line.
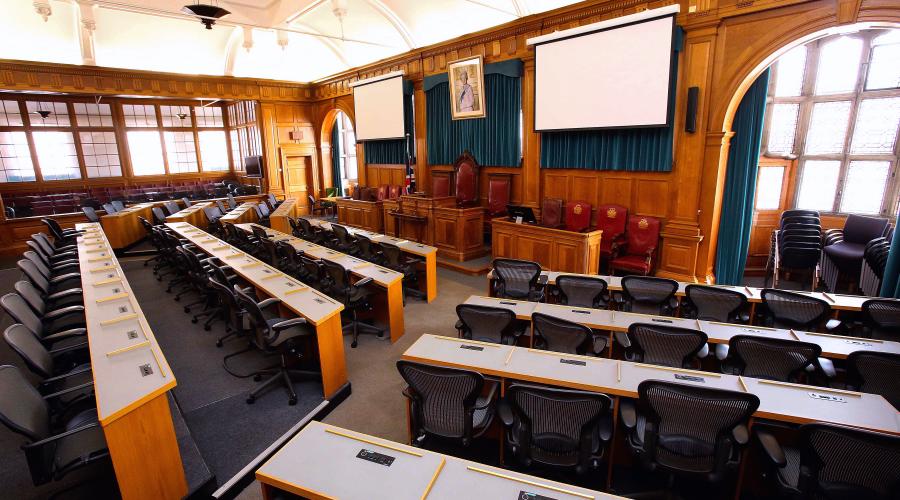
(494,7)
(395,21)
(337,50)
(521,7)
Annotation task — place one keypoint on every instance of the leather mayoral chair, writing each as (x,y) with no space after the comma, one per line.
(466,177)
(440,186)
(611,220)
(636,255)
(552,213)
(499,187)
(578,216)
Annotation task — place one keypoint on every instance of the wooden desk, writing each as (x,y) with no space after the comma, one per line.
(320,311)
(457,233)
(361,214)
(833,346)
(779,401)
(123,228)
(131,377)
(242,214)
(387,305)
(555,249)
(279,218)
(193,215)
(419,250)
(319,460)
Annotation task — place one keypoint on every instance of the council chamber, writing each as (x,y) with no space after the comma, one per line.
(441,249)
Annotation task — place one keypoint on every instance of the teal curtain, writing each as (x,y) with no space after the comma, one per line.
(393,152)
(629,149)
(890,282)
(336,158)
(494,140)
(740,184)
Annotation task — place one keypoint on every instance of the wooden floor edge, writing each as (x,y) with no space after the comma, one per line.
(453,266)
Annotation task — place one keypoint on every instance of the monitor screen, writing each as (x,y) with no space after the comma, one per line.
(253,167)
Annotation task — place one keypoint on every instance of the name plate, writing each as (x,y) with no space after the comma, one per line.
(827,397)
(527,495)
(690,378)
(507,303)
(579,311)
(374,456)
(472,347)
(576,362)
(657,320)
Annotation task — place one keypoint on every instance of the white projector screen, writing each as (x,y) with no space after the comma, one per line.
(617,77)
(379,109)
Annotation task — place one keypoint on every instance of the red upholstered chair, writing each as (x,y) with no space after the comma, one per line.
(394,192)
(382,192)
(440,186)
(369,194)
(466,169)
(578,216)
(641,241)
(611,220)
(552,212)
(499,187)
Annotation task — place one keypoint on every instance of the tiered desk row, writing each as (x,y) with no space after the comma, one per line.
(833,346)
(318,461)
(193,215)
(838,302)
(320,311)
(421,250)
(131,377)
(279,219)
(243,213)
(387,304)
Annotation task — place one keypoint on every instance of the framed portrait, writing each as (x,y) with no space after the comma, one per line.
(466,78)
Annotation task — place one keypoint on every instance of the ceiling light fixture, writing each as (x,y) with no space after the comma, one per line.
(181,116)
(208,14)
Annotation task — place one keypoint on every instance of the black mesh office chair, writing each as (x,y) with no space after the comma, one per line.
(59,370)
(310,233)
(273,202)
(770,358)
(65,324)
(834,462)
(711,303)
(447,402)
(556,428)
(397,260)
(232,203)
(881,319)
(664,345)
(314,273)
(346,243)
(159,216)
(153,238)
(647,295)
(56,446)
(289,259)
(784,309)
(354,296)
(282,336)
(559,335)
(119,205)
(369,250)
(875,372)
(91,214)
(581,291)
(687,431)
(487,324)
(295,227)
(518,279)
(262,214)
(110,208)
(172,207)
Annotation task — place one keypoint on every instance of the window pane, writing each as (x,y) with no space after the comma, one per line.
(209,116)
(828,127)
(9,114)
(176,116)
(93,115)
(864,187)
(236,150)
(101,154)
(139,115)
(56,155)
(15,158)
(791,67)
(884,72)
(783,128)
(57,114)
(181,152)
(146,153)
(838,66)
(768,189)
(876,126)
(213,150)
(818,185)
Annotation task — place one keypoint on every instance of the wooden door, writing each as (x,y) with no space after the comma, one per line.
(773,196)
(295,173)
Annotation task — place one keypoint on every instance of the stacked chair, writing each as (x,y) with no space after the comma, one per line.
(844,249)
(796,245)
(874,261)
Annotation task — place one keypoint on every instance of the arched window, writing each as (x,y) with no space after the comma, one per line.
(345,149)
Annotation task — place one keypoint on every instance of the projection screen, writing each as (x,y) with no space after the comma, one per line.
(604,77)
(378,105)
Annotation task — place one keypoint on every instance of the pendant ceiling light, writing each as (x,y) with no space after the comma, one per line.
(207,13)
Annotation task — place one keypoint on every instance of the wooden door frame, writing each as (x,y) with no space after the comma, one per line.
(288,150)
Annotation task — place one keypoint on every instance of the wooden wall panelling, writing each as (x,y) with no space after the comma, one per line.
(280,120)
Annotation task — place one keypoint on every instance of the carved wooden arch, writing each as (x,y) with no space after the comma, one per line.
(327,126)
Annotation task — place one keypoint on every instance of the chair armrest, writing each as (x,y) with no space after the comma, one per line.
(65,311)
(67,334)
(69,390)
(771,447)
(74,347)
(65,376)
(834,325)
(741,434)
(51,439)
(605,427)
(598,344)
(65,293)
(62,264)
(288,323)
(64,277)
(827,367)
(67,254)
(628,414)
(492,391)
(407,393)
(268,302)
(504,411)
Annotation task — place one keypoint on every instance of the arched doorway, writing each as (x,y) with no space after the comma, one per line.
(829,141)
(339,155)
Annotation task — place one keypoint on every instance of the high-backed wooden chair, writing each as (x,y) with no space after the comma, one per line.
(499,189)
(552,212)
(611,220)
(636,255)
(466,177)
(382,193)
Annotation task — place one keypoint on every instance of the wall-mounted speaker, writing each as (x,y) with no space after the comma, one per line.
(690,119)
